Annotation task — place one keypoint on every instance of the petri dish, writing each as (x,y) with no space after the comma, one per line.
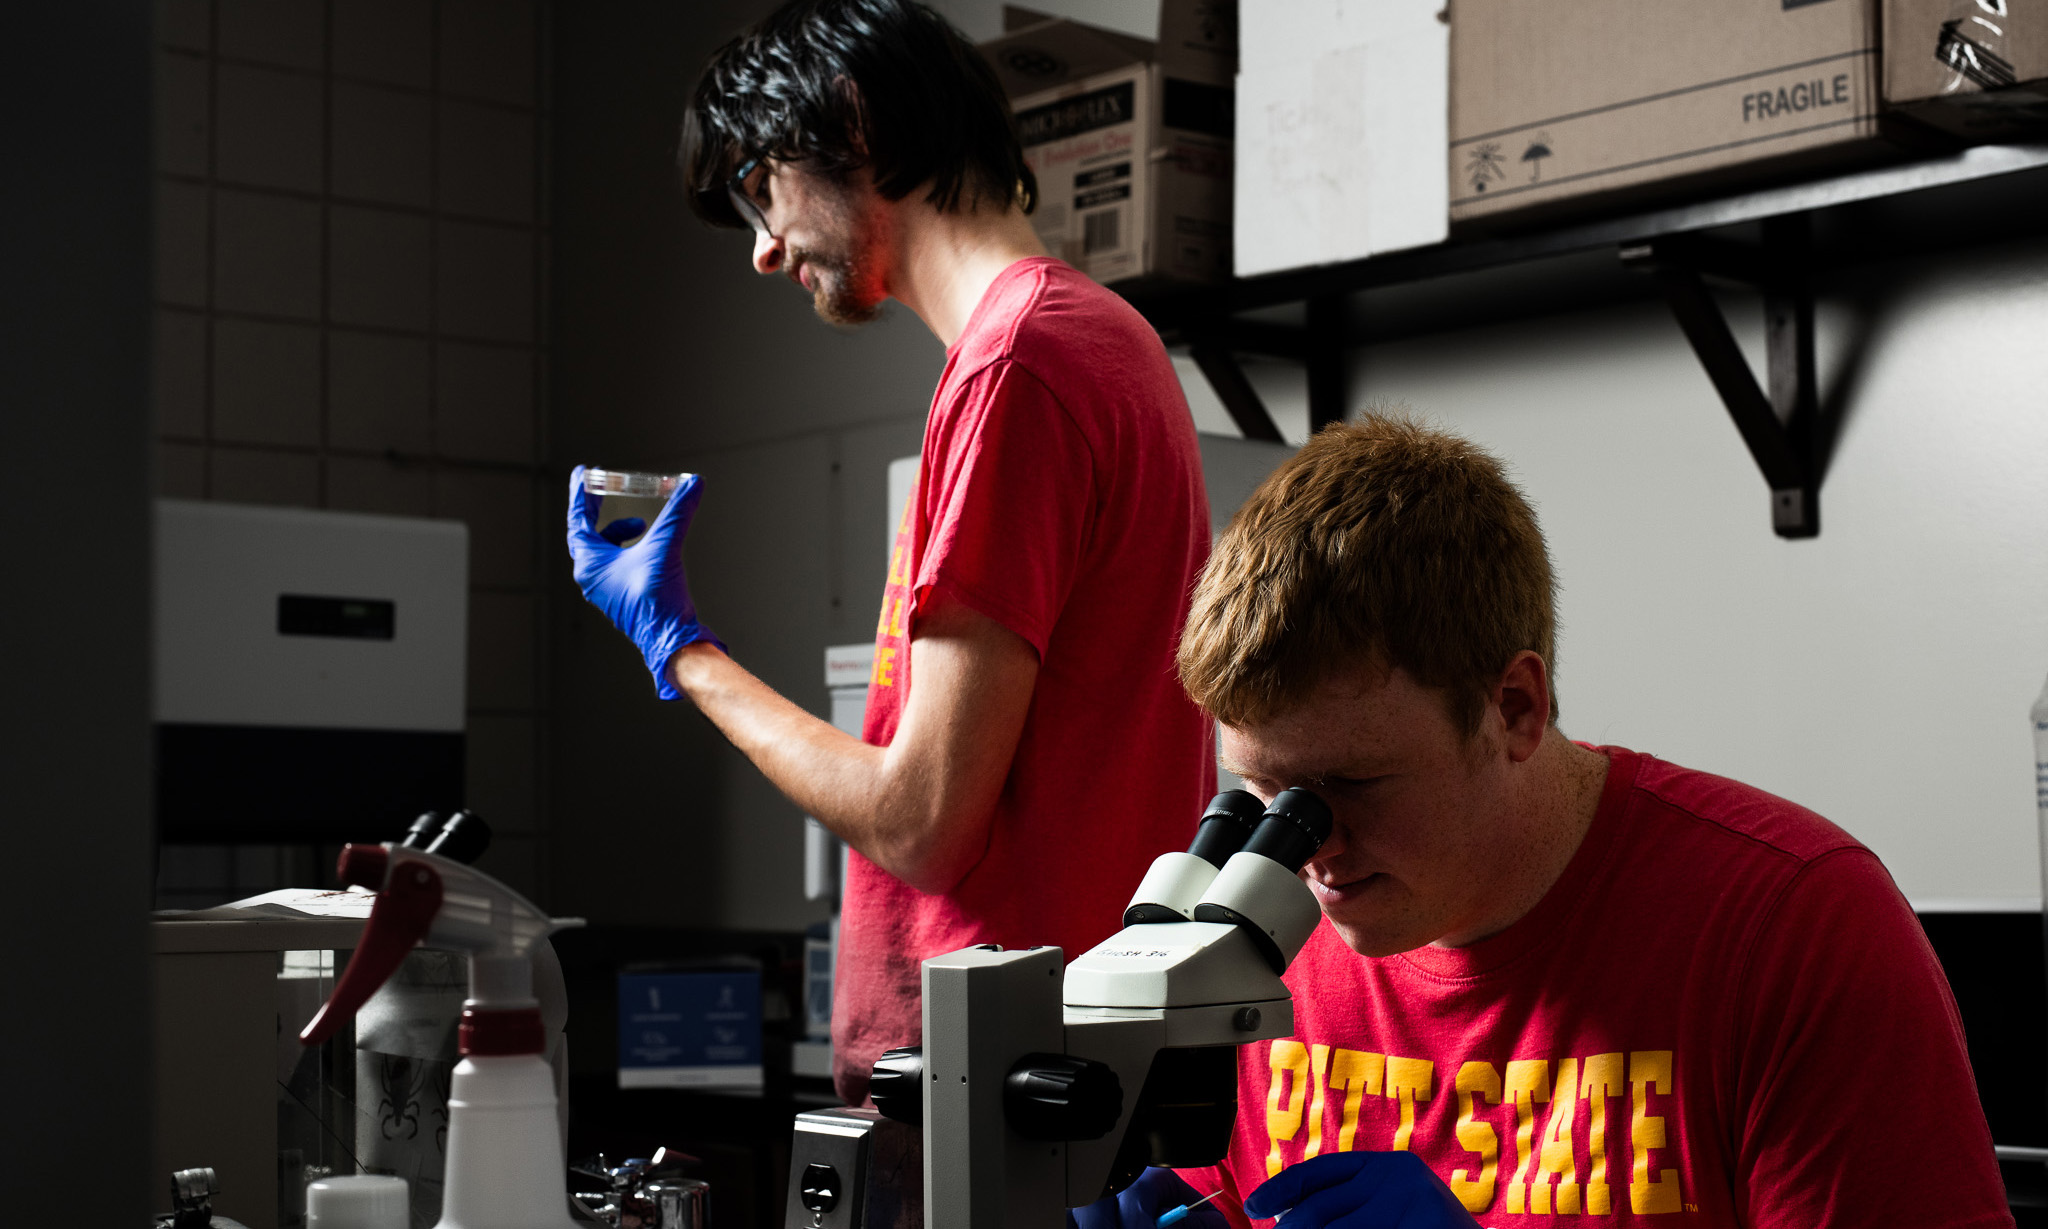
(631,484)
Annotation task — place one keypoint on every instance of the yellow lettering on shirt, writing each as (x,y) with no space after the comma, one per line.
(1319,1070)
(1528,1085)
(896,618)
(1358,1073)
(885,666)
(1477,1080)
(1557,1165)
(1600,1077)
(1408,1080)
(896,576)
(1648,1071)
(1288,1096)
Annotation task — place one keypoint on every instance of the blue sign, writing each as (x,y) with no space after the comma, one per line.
(699,1028)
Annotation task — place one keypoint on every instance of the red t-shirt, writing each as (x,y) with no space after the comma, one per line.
(1059,493)
(1723,1013)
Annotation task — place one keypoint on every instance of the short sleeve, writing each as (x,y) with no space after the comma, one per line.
(1010,505)
(1855,1101)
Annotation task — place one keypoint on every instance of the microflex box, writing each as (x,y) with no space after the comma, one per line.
(1132,156)
(1601,102)
(690,1028)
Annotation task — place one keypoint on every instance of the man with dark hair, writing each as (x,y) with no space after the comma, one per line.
(1042,564)
(1554,980)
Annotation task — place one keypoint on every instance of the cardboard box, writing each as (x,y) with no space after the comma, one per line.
(1601,102)
(1341,126)
(1976,71)
(1130,141)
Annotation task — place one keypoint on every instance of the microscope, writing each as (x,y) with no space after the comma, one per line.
(1036,1093)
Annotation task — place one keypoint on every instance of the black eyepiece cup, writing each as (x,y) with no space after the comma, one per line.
(1293,828)
(1229,822)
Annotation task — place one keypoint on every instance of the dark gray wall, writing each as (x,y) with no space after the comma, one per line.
(669,353)
(74,432)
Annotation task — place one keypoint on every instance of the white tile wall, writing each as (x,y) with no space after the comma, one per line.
(391,41)
(484,402)
(181,241)
(381,485)
(266,383)
(180,470)
(499,510)
(285,32)
(487,50)
(183,112)
(384,145)
(266,254)
(350,310)
(263,476)
(486,161)
(180,377)
(185,23)
(382,267)
(268,131)
(501,652)
(379,393)
(485,286)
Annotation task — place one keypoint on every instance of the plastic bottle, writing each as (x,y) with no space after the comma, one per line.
(2040,716)
(505,1167)
(364,1201)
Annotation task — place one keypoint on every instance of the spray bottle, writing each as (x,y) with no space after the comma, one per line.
(505,1165)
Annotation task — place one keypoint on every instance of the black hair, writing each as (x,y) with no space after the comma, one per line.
(883,85)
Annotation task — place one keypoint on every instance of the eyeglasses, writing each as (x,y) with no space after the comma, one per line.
(743,201)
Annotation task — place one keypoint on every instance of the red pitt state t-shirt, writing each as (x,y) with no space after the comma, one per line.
(1723,1014)
(1060,493)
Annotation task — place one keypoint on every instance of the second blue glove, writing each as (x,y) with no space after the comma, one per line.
(641,588)
(1141,1204)
(1395,1188)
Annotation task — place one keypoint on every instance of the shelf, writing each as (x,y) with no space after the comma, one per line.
(1774,239)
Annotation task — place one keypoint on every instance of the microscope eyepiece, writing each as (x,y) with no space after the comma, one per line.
(1293,828)
(1229,822)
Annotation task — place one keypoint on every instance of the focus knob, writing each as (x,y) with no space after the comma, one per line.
(897,1084)
(1057,1097)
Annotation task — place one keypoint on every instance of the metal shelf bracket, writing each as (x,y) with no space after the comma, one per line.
(1783,426)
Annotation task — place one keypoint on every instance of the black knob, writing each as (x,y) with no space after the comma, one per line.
(1294,827)
(820,1189)
(1226,826)
(897,1084)
(1057,1096)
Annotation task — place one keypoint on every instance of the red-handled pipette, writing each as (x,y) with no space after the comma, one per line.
(1179,1214)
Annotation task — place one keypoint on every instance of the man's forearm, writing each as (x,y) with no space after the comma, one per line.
(873,801)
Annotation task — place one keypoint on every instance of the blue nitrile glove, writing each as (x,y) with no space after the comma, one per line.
(641,588)
(1141,1204)
(1395,1190)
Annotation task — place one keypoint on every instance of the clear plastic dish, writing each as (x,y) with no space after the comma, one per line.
(631,484)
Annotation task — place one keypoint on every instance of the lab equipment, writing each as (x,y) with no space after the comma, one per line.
(646,1192)
(1039,1093)
(505,1166)
(1174,1216)
(309,671)
(357,1201)
(854,1169)
(641,588)
(192,1192)
(632,484)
